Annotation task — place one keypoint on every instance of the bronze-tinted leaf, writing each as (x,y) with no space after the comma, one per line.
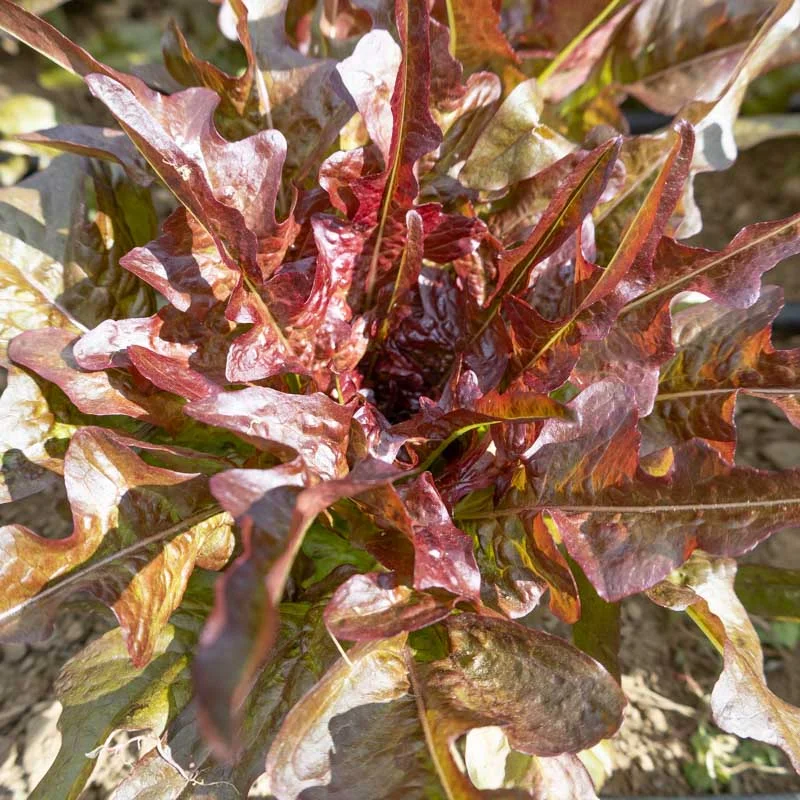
(139,532)
(640,340)
(478,41)
(184,265)
(548,697)
(216,180)
(546,350)
(510,580)
(443,555)
(719,353)
(274,512)
(49,353)
(244,623)
(741,702)
(189,70)
(313,426)
(572,202)
(377,606)
(626,527)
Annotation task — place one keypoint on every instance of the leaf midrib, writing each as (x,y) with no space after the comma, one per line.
(726,390)
(391,185)
(720,258)
(651,509)
(80,574)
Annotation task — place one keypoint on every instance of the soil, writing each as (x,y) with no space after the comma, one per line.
(668,666)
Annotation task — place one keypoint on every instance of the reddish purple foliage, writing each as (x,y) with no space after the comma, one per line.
(422,355)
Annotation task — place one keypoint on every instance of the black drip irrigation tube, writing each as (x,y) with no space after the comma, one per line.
(787,322)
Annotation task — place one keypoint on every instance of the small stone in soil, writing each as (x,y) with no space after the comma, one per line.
(658,720)
(42,741)
(13,652)
(75,631)
(646,763)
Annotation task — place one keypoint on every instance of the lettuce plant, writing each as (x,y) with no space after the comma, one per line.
(410,356)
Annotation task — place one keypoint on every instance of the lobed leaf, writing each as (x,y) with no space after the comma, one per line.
(626,527)
(49,353)
(274,512)
(478,42)
(640,341)
(740,701)
(553,346)
(720,352)
(363,703)
(312,426)
(501,673)
(378,606)
(139,531)
(360,712)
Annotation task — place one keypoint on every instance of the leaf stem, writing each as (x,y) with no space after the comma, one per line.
(567,51)
(451,23)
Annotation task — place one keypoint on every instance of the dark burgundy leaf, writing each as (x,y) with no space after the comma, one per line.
(533,685)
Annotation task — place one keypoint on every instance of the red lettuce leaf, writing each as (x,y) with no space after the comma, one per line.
(443,555)
(378,606)
(720,352)
(483,682)
(129,517)
(312,426)
(274,512)
(49,353)
(640,341)
(230,187)
(612,514)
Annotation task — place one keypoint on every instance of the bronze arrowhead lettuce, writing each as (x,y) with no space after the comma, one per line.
(720,352)
(409,354)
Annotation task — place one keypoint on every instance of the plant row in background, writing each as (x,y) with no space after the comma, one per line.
(412,353)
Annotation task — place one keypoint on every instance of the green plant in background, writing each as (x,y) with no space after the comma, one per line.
(406,356)
(720,758)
